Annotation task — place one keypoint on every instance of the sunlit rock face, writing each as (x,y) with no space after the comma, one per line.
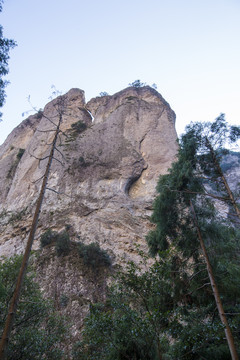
(103,180)
(107,176)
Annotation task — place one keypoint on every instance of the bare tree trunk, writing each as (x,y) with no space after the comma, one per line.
(218,301)
(15,299)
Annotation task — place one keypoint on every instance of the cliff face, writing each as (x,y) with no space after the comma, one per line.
(108,174)
(105,183)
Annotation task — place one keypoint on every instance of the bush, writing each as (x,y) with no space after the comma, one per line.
(14,165)
(39,332)
(47,237)
(62,243)
(137,84)
(39,114)
(93,255)
(63,300)
(20,153)
(79,127)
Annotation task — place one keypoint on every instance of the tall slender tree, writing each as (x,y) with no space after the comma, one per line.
(60,108)
(186,217)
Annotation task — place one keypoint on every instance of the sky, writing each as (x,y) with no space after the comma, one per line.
(188,48)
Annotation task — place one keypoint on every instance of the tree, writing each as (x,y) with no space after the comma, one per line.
(60,108)
(211,140)
(186,217)
(137,84)
(133,323)
(5,46)
(168,311)
(38,329)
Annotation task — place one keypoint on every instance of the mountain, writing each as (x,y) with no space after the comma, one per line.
(110,154)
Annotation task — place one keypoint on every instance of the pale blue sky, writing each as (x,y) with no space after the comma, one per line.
(189,48)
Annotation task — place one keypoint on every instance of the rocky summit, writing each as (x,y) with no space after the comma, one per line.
(109,156)
(106,180)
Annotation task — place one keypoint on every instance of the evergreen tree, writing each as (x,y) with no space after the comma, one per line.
(137,318)
(169,311)
(186,217)
(38,330)
(5,46)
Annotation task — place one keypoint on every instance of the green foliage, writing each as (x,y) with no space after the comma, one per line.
(164,312)
(13,168)
(78,127)
(61,240)
(3,213)
(48,237)
(5,46)
(93,255)
(17,216)
(62,245)
(39,114)
(201,150)
(137,84)
(230,161)
(103,93)
(20,153)
(38,331)
(128,325)
(82,162)
(169,311)
(63,300)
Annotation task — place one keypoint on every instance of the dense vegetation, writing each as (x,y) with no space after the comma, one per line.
(38,330)
(169,311)
(5,46)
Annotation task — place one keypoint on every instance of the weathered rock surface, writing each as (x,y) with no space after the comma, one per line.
(109,171)
(106,182)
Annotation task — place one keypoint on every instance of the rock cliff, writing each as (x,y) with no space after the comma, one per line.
(108,174)
(104,185)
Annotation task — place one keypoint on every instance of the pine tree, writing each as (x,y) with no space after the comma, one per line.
(5,46)
(186,218)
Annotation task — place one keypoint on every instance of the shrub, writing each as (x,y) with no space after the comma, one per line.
(82,162)
(39,114)
(20,153)
(78,127)
(14,165)
(93,255)
(137,84)
(39,332)
(63,300)
(62,243)
(17,216)
(47,237)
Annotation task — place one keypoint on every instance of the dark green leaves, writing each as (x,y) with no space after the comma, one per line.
(38,330)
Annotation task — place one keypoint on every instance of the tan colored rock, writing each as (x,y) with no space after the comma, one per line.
(109,171)
(106,183)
